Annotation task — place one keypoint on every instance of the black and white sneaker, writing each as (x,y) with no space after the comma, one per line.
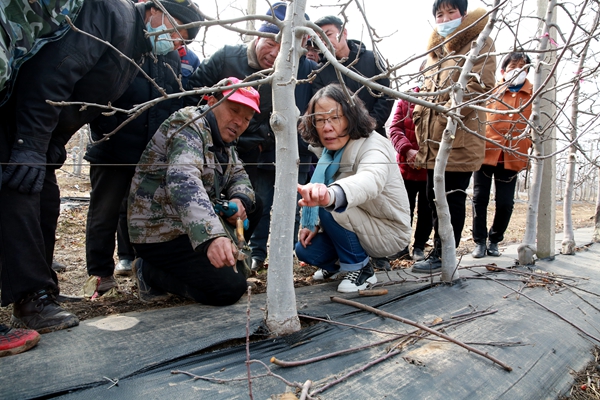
(322,274)
(358,280)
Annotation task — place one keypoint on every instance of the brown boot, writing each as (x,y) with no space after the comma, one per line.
(41,312)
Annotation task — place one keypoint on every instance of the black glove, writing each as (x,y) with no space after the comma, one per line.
(25,171)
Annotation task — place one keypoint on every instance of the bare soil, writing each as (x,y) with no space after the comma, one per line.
(70,251)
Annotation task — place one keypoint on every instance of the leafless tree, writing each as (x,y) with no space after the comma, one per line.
(506,18)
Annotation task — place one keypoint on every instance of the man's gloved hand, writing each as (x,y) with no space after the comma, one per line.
(25,171)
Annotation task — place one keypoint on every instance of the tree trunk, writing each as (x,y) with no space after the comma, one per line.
(596,235)
(445,230)
(568,243)
(528,248)
(282,317)
(546,219)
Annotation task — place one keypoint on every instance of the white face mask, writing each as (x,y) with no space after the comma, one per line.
(162,44)
(446,28)
(515,77)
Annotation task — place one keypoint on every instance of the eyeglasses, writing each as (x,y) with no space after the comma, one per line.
(320,122)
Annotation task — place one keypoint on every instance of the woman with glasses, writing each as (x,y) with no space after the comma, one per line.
(355,206)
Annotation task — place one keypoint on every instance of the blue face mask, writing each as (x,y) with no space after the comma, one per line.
(447,28)
(162,44)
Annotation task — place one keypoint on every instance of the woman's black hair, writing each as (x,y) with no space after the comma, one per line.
(360,123)
(515,56)
(460,5)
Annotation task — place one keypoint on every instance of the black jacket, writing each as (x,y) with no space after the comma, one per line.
(379,107)
(234,61)
(74,68)
(126,146)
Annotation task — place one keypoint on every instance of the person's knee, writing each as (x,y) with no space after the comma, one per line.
(227,294)
(301,252)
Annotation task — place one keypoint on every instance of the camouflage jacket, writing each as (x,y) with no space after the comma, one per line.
(178,179)
(29,25)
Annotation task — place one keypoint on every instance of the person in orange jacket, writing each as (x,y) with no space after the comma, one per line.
(503,164)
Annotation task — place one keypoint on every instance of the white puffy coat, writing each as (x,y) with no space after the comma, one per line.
(378,209)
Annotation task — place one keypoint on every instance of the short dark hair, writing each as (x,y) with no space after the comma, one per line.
(515,56)
(360,123)
(460,5)
(330,20)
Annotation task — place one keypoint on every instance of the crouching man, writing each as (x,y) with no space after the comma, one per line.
(184,246)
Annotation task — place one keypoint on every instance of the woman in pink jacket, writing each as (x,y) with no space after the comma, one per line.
(402,135)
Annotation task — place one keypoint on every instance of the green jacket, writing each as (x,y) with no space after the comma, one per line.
(178,179)
(28,26)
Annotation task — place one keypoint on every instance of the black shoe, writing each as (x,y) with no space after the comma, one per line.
(418,254)
(358,280)
(433,263)
(479,251)
(145,292)
(58,267)
(401,255)
(123,267)
(41,312)
(381,264)
(257,264)
(492,250)
(65,298)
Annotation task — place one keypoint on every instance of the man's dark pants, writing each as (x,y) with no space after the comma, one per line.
(110,188)
(176,268)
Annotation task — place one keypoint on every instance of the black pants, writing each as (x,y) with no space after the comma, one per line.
(27,223)
(417,195)
(27,235)
(176,268)
(505,181)
(110,187)
(457,183)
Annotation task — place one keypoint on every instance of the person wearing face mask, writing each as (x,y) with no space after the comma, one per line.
(502,164)
(112,162)
(448,47)
(33,134)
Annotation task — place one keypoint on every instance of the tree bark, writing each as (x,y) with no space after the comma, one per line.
(445,230)
(282,317)
(596,235)
(528,248)
(568,243)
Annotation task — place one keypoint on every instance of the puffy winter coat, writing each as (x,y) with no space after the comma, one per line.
(505,128)
(126,146)
(378,209)
(75,68)
(467,149)
(403,137)
(363,62)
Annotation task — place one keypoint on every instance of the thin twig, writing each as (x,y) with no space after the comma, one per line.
(248,344)
(119,52)
(286,364)
(420,326)
(305,389)
(361,369)
(547,309)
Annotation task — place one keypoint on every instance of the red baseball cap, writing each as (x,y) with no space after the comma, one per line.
(247,96)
